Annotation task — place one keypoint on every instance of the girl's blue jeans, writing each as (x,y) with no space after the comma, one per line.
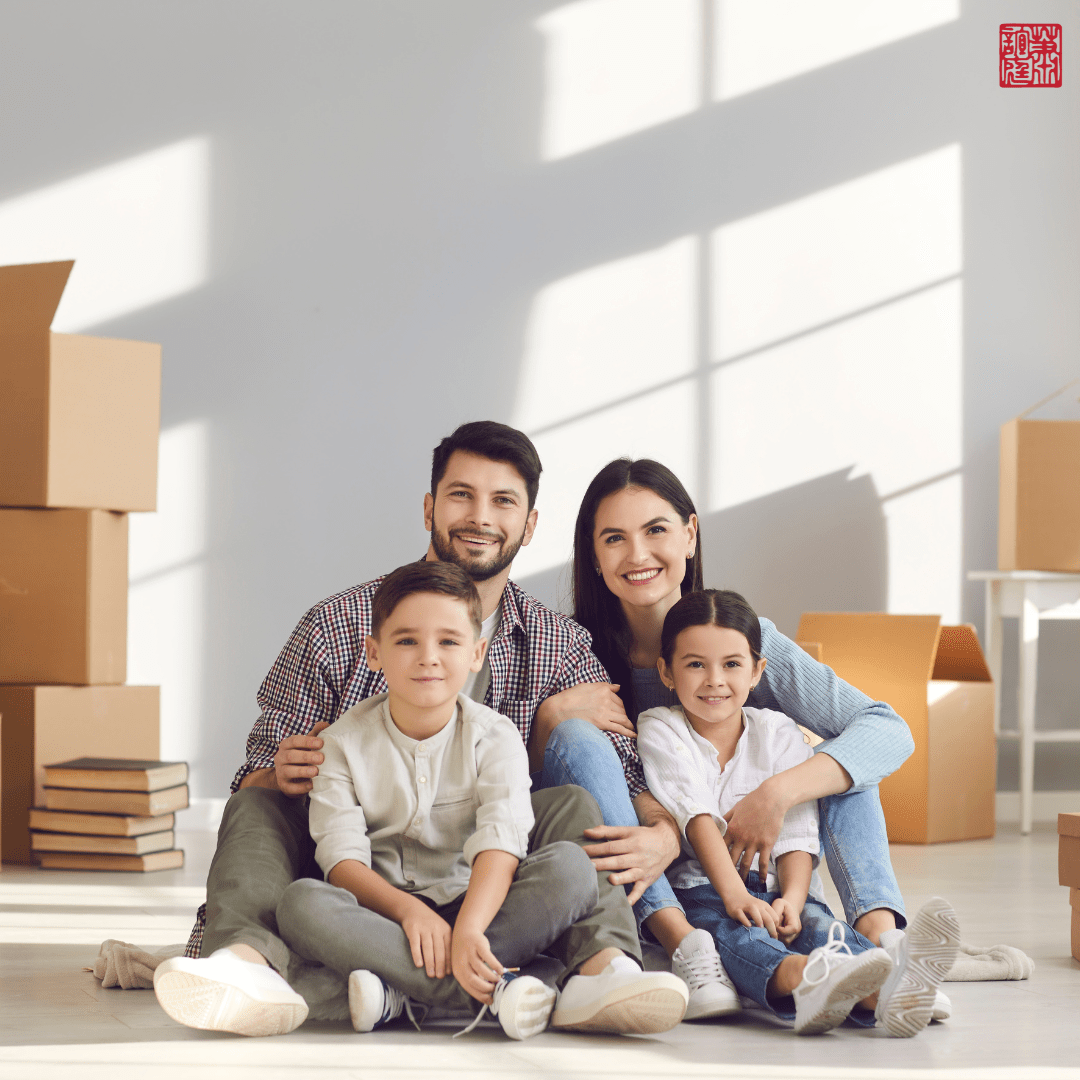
(853,835)
(750,955)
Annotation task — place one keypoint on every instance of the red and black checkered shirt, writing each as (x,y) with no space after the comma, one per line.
(322,673)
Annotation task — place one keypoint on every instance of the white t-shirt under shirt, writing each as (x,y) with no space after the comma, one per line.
(683,773)
(476,685)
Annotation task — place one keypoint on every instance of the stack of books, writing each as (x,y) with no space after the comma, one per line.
(110,814)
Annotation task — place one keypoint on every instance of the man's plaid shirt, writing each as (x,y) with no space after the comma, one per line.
(322,673)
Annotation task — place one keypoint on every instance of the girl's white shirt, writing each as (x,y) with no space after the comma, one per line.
(682,772)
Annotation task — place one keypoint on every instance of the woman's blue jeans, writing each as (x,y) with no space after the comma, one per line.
(580,753)
(853,836)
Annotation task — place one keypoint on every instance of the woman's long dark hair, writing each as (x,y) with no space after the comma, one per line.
(595,605)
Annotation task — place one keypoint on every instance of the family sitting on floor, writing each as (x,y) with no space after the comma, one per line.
(501,781)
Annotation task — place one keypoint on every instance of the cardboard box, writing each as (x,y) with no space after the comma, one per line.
(43,725)
(79,416)
(1076,933)
(63,596)
(1069,852)
(936,678)
(1039,486)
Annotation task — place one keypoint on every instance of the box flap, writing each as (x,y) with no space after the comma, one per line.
(959,656)
(1063,404)
(1069,824)
(870,648)
(30,295)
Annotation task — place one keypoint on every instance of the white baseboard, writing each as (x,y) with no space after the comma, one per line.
(1046,805)
(202,814)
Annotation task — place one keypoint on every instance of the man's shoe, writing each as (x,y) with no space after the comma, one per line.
(224,993)
(923,958)
(890,942)
(834,982)
(622,1000)
(697,963)
(372,1002)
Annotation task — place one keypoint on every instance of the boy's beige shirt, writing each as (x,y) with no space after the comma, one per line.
(419,812)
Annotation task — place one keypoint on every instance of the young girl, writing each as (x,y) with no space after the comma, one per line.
(777,938)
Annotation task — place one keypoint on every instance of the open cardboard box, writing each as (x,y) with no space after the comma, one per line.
(936,678)
(43,725)
(63,596)
(1039,486)
(79,415)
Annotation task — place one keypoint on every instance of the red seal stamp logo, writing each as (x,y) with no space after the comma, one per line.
(1029,54)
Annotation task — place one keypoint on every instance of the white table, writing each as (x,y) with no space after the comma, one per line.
(1027,595)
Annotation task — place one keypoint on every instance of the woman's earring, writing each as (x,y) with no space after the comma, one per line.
(598,571)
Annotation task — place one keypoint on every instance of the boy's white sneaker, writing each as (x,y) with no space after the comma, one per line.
(923,958)
(622,1000)
(890,942)
(697,963)
(834,982)
(373,1002)
(221,992)
(522,1005)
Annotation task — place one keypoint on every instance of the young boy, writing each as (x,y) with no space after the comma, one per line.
(421,813)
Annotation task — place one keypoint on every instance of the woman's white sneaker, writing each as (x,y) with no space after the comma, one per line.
(923,959)
(835,981)
(221,992)
(697,963)
(621,1000)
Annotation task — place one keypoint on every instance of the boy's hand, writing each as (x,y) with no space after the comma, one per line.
(429,939)
(788,922)
(297,760)
(474,964)
(751,911)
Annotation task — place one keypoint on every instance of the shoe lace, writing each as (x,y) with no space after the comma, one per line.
(496,996)
(393,1002)
(826,956)
(703,968)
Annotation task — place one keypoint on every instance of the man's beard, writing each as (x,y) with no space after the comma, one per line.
(477,570)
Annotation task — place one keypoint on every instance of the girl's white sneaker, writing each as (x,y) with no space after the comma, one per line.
(697,963)
(835,981)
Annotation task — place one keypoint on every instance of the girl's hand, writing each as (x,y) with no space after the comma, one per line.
(751,911)
(429,939)
(475,967)
(788,922)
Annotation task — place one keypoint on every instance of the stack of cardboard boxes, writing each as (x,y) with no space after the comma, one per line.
(79,421)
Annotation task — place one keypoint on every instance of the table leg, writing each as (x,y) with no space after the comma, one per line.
(1028,668)
(992,634)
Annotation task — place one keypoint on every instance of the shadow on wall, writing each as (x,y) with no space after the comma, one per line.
(818,546)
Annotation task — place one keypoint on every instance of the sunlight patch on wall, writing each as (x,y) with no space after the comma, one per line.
(137,230)
(614,67)
(607,333)
(835,252)
(762,42)
(661,425)
(167,581)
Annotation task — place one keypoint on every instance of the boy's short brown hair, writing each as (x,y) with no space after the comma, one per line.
(446,579)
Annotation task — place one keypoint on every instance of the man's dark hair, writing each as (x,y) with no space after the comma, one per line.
(446,579)
(496,442)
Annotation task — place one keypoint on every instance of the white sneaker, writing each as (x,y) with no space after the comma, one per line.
(221,992)
(890,942)
(834,982)
(923,958)
(622,1000)
(522,1005)
(697,963)
(373,1002)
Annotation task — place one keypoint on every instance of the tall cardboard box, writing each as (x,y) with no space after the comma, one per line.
(78,415)
(936,678)
(1039,486)
(63,596)
(43,725)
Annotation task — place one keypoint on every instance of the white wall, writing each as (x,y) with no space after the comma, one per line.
(807,252)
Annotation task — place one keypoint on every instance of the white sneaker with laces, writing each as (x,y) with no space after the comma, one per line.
(835,981)
(890,942)
(221,992)
(923,958)
(622,1000)
(697,963)
(373,1002)
(521,1003)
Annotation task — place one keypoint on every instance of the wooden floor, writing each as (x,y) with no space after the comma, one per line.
(57,1021)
